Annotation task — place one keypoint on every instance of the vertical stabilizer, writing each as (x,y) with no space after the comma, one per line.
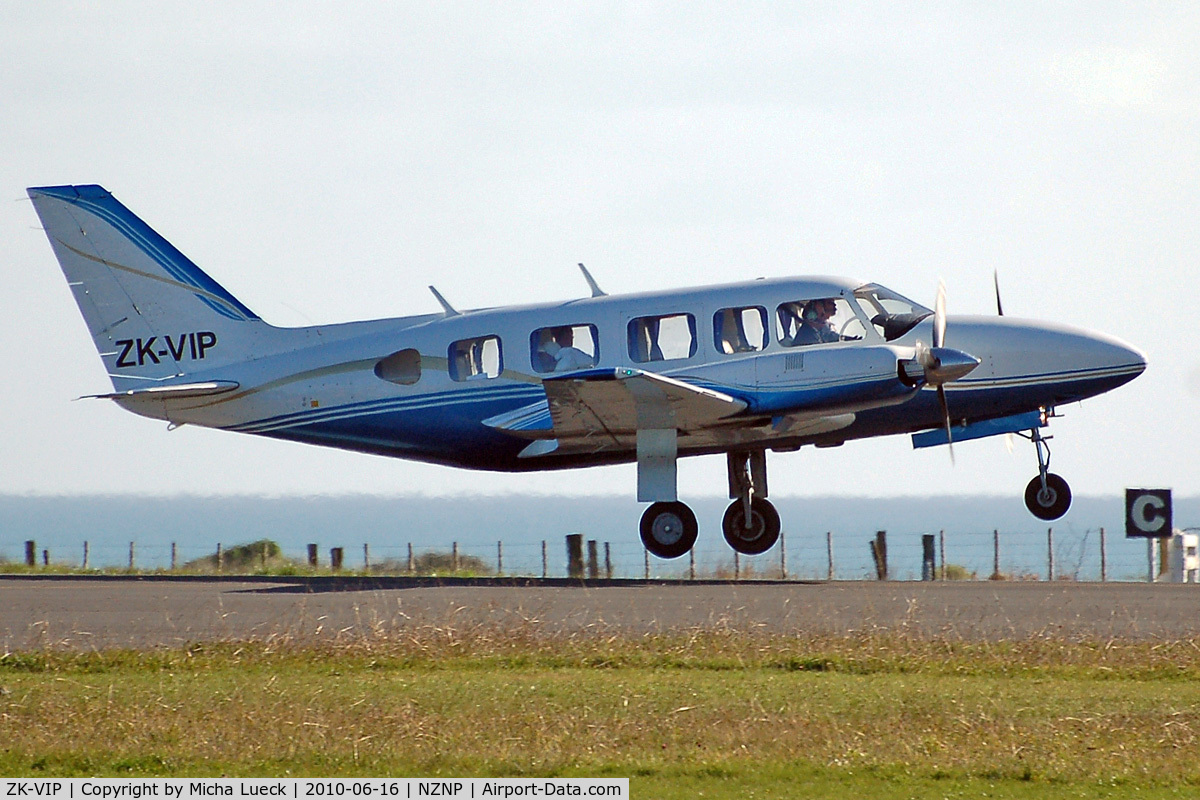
(153,314)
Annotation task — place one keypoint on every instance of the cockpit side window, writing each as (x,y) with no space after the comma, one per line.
(892,315)
(819,320)
(664,338)
(740,330)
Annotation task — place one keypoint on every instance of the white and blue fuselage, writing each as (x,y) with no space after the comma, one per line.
(740,368)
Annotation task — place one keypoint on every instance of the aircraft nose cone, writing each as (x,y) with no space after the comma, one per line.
(1124,361)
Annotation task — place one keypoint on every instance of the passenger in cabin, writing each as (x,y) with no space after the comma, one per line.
(561,349)
(733,333)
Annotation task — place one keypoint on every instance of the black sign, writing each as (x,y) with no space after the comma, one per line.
(1148,513)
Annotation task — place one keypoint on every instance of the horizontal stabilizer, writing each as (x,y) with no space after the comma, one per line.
(175,392)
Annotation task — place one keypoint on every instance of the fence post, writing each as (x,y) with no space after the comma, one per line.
(942,551)
(545,563)
(995,554)
(412,565)
(220,558)
(45,558)
(737,566)
(575,555)
(1050,552)
(692,564)
(608,572)
(499,558)
(829,551)
(366,557)
(30,553)
(174,556)
(928,559)
(593,562)
(646,554)
(454,556)
(335,557)
(131,546)
(312,554)
(1103,558)
(85,554)
(1149,560)
(782,557)
(879,553)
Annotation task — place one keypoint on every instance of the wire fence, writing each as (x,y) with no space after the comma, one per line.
(1088,555)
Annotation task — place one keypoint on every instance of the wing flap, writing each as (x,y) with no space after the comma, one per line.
(610,405)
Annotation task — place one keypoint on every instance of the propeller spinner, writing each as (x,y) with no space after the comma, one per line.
(941,364)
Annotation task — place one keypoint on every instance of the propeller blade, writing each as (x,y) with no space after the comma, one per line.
(941,390)
(939,316)
(996,282)
(1008,443)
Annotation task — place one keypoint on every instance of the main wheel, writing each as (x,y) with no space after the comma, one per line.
(669,529)
(760,536)
(1051,502)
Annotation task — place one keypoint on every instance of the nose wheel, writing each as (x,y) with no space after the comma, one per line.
(669,529)
(1049,501)
(1047,496)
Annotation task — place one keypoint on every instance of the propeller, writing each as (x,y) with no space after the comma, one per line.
(1008,437)
(943,364)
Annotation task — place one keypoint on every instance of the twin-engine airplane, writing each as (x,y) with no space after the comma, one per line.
(737,369)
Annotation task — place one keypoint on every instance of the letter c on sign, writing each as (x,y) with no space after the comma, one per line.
(1147,513)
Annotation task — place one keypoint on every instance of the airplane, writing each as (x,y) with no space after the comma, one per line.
(735,369)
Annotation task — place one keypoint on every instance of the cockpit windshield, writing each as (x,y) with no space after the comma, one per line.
(892,315)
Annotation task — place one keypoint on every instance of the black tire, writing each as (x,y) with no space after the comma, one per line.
(763,532)
(669,529)
(1053,502)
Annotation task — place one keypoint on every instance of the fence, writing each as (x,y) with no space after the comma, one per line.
(817,555)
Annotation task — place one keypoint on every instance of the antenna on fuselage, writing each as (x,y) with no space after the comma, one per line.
(451,311)
(591,282)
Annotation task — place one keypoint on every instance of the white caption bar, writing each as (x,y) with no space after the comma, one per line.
(309,788)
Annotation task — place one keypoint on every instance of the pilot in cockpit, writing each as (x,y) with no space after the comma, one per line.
(808,323)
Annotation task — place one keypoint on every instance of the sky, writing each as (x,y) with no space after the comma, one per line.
(328,163)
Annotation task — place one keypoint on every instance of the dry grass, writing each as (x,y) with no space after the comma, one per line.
(441,700)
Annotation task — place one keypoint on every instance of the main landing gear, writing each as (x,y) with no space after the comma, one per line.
(750,525)
(1047,496)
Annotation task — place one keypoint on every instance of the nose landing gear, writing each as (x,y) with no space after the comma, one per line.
(1047,496)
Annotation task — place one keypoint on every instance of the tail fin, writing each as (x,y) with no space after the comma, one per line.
(153,314)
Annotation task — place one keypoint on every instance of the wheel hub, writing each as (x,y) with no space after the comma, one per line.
(667,528)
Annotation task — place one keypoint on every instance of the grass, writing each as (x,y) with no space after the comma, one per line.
(724,713)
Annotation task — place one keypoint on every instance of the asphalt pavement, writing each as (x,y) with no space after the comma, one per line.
(106,611)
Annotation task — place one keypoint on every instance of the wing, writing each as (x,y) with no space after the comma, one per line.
(603,409)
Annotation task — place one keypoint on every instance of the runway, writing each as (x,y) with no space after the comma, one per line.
(102,612)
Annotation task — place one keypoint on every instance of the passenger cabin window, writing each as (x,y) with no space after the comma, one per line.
(740,330)
(663,338)
(817,321)
(476,359)
(402,367)
(564,348)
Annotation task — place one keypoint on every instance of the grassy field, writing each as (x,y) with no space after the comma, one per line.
(712,714)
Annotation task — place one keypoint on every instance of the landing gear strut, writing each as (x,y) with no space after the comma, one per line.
(1047,496)
(751,523)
